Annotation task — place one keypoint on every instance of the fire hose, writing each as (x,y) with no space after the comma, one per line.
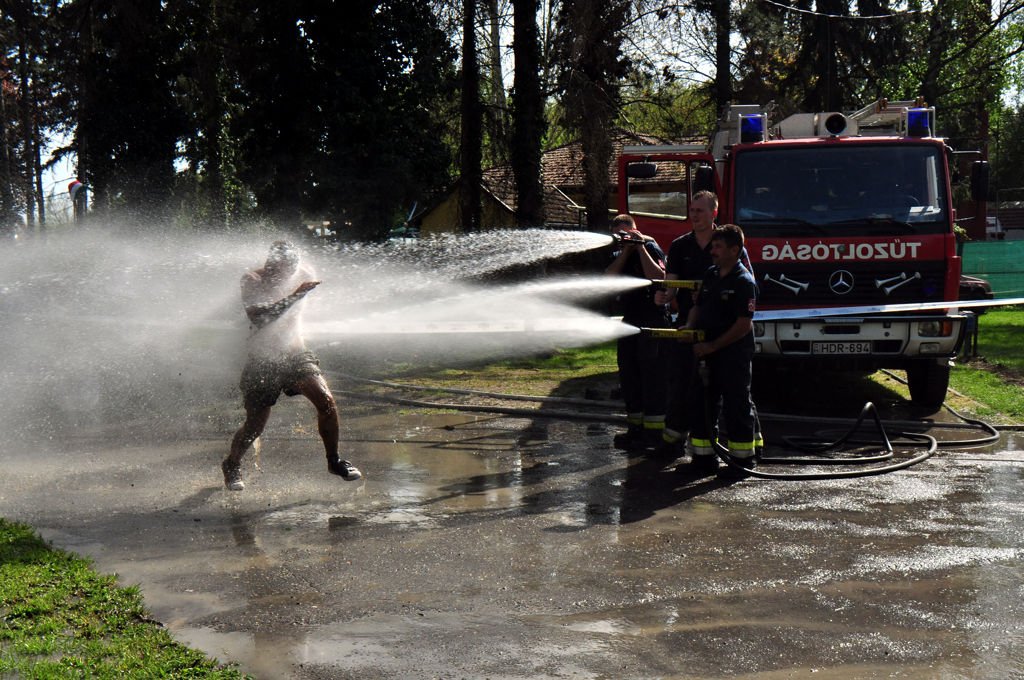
(808,445)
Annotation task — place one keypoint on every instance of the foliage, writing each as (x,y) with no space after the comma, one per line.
(61,619)
(588,51)
(211,176)
(296,112)
(121,59)
(355,146)
(672,110)
(970,46)
(1007,151)
(27,110)
(220,113)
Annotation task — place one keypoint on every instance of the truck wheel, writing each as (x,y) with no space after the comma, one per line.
(928,380)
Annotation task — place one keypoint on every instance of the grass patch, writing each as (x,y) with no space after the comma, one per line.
(59,619)
(996,377)
(532,375)
(997,396)
(999,339)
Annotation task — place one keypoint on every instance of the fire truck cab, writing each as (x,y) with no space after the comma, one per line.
(839,210)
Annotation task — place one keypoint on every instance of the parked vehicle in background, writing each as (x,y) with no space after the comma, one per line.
(994,229)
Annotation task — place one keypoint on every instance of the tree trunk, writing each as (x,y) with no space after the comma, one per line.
(938,34)
(27,128)
(212,123)
(83,146)
(497,109)
(597,152)
(590,50)
(723,56)
(472,124)
(8,213)
(37,163)
(528,123)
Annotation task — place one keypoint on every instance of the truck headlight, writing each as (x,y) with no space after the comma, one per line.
(935,329)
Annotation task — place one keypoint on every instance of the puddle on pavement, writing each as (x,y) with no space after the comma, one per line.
(378,644)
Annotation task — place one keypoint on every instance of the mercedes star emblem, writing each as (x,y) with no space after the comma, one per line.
(841,282)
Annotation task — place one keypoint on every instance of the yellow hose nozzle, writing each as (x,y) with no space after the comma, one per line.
(677,283)
(680,334)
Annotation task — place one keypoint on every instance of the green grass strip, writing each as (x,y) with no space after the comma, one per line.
(60,619)
(995,378)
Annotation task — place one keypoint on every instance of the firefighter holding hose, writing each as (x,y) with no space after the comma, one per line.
(724,310)
(641,375)
(689,257)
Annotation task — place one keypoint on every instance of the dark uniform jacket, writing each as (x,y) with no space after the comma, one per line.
(722,300)
(637,306)
(687,261)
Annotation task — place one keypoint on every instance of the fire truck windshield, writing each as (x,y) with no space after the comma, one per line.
(842,189)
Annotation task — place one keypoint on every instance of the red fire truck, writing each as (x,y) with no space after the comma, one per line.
(840,210)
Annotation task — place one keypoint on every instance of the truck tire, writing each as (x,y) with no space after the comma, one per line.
(928,380)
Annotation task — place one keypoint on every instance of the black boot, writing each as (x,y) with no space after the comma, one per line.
(699,466)
(630,440)
(738,468)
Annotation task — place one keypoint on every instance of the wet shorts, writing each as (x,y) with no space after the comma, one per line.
(263,380)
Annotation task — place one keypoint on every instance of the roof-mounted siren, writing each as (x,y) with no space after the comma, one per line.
(832,124)
(753,127)
(920,121)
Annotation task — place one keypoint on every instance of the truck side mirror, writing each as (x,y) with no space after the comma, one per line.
(641,170)
(704,179)
(979,181)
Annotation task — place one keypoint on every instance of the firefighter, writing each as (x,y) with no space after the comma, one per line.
(724,310)
(689,257)
(641,374)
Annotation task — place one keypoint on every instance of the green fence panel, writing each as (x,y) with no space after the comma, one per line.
(1001,263)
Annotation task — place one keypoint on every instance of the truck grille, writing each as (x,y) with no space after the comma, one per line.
(841,284)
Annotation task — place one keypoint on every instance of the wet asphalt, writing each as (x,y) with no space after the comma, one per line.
(488,546)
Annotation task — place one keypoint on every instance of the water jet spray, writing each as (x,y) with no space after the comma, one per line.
(145,331)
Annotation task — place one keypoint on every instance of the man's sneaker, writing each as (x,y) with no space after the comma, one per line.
(699,465)
(232,475)
(344,469)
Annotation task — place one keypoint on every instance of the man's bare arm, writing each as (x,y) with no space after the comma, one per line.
(260,314)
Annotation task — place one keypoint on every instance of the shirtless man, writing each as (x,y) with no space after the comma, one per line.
(279,361)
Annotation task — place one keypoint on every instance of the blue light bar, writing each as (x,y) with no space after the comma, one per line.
(919,122)
(752,127)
